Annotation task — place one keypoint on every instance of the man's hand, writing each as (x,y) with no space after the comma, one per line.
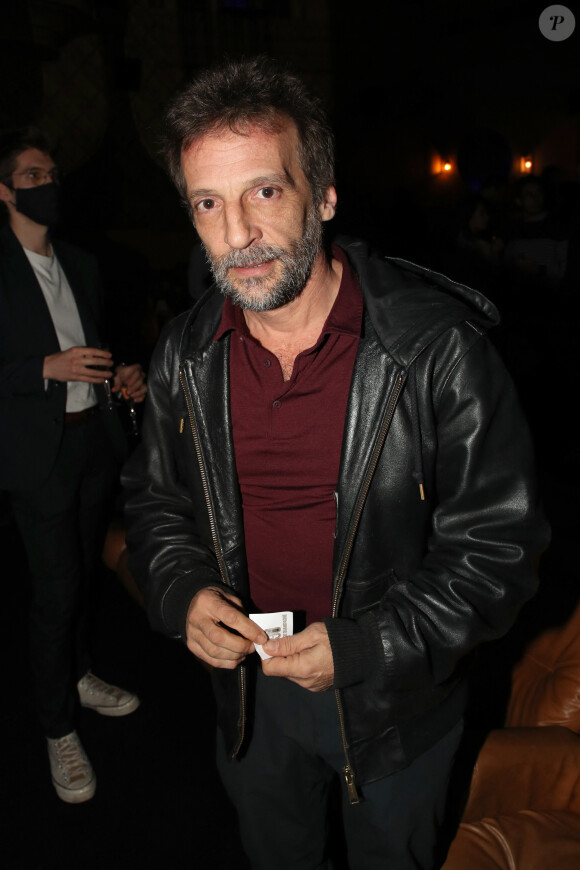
(212,618)
(75,364)
(305,658)
(131,380)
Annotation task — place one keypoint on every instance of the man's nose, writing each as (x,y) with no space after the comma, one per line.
(240,229)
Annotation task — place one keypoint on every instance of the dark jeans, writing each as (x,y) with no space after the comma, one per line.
(280,790)
(62,525)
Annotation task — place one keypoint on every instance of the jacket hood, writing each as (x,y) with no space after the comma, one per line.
(409,305)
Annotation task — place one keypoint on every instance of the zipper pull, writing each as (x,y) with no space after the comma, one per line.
(353,795)
(419,478)
(181,425)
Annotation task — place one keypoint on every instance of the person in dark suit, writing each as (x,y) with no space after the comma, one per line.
(60,445)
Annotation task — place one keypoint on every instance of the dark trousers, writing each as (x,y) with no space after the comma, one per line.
(280,790)
(62,526)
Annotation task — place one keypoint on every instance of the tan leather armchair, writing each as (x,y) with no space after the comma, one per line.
(523,809)
(546,681)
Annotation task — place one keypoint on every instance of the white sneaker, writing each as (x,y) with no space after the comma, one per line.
(105,699)
(72,774)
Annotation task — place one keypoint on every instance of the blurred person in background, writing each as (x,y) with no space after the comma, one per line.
(60,445)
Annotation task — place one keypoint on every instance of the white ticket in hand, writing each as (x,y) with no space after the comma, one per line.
(275,625)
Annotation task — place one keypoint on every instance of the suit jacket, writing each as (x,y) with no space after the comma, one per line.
(32,416)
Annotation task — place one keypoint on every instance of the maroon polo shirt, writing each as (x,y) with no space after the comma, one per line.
(287,440)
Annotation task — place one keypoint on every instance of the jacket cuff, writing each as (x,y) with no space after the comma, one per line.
(178,597)
(354,651)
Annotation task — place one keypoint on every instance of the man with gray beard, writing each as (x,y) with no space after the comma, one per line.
(333,503)
(296,267)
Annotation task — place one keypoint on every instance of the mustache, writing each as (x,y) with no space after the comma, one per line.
(257,255)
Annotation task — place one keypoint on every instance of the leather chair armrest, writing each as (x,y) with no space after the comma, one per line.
(546,681)
(526,840)
(525,769)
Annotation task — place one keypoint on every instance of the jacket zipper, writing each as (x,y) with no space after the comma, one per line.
(217,549)
(348,770)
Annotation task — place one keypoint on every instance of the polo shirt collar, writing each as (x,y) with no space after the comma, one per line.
(345,316)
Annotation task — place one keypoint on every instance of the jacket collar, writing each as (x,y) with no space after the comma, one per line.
(19,285)
(410,306)
(25,285)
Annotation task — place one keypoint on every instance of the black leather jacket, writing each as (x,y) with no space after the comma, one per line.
(418,583)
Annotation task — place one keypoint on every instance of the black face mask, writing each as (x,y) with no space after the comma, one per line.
(41,204)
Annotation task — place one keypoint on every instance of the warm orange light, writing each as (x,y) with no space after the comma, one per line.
(440,165)
(526,165)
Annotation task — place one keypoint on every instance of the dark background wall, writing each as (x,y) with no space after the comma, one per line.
(405,84)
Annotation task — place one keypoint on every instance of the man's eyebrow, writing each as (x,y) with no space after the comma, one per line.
(36,167)
(202,191)
(284,179)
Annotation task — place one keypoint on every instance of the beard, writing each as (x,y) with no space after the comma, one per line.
(265,293)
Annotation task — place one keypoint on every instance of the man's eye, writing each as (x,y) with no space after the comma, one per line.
(267,192)
(205,205)
(33,175)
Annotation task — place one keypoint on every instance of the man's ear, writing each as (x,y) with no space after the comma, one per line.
(6,195)
(327,207)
